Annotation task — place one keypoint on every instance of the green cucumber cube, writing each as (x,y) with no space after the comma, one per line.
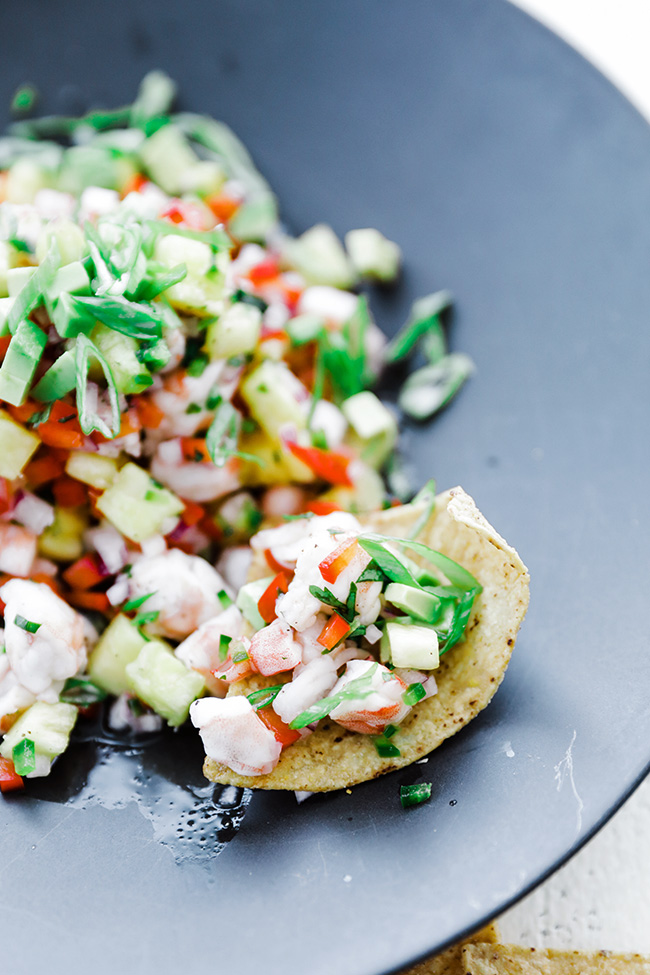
(416,602)
(5,307)
(48,726)
(17,278)
(269,392)
(70,279)
(166,156)
(59,379)
(319,256)
(16,446)
(71,319)
(119,350)
(136,505)
(20,362)
(373,255)
(410,645)
(92,469)
(163,682)
(118,646)
(236,332)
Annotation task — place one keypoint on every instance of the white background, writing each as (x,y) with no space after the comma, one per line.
(601,899)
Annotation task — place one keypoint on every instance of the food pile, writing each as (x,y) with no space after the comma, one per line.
(193,521)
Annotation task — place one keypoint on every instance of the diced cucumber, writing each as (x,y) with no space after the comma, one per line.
(5,308)
(118,646)
(373,255)
(63,539)
(166,156)
(20,362)
(410,645)
(24,179)
(84,166)
(17,278)
(271,392)
(238,517)
(69,319)
(277,465)
(254,219)
(48,726)
(201,291)
(205,177)
(248,598)
(69,237)
(16,446)
(136,506)
(119,350)
(416,602)
(93,469)
(373,431)
(319,256)
(235,332)
(59,379)
(71,279)
(304,328)
(163,682)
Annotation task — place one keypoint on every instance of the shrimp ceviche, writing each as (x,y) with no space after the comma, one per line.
(193,519)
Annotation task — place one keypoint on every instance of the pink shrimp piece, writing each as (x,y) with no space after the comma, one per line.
(17,549)
(234,735)
(274,649)
(369,715)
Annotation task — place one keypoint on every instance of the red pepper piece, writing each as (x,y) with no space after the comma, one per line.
(328,465)
(9,778)
(333,631)
(333,565)
(266,602)
(283,733)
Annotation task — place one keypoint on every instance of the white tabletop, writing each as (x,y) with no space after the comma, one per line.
(601,898)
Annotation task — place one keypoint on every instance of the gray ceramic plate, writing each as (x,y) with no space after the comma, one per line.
(513,174)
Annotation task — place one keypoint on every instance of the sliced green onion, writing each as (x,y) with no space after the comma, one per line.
(223,436)
(43,416)
(143,618)
(224,599)
(24,756)
(424,317)
(81,691)
(356,689)
(224,643)
(197,366)
(136,603)
(247,299)
(26,625)
(427,497)
(89,421)
(217,239)
(32,294)
(265,696)
(239,656)
(131,318)
(155,98)
(390,730)
(414,693)
(24,100)
(428,389)
(386,749)
(413,795)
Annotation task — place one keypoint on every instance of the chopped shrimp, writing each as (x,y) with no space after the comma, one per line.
(193,481)
(234,564)
(43,660)
(181,391)
(368,602)
(175,339)
(17,549)
(181,588)
(284,542)
(370,715)
(234,735)
(235,667)
(314,682)
(283,499)
(275,649)
(201,650)
(13,696)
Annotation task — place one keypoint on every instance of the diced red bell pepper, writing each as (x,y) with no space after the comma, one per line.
(266,602)
(150,415)
(25,412)
(84,573)
(222,206)
(192,513)
(69,493)
(328,465)
(185,214)
(5,495)
(135,184)
(4,345)
(263,272)
(318,507)
(273,563)
(195,449)
(333,631)
(89,600)
(283,733)
(62,428)
(45,467)
(9,778)
(333,565)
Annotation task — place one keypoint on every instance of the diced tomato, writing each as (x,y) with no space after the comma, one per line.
(318,507)
(283,733)
(333,565)
(192,513)
(265,271)
(333,631)
(5,495)
(266,602)
(273,563)
(9,778)
(45,468)
(84,573)
(185,214)
(69,493)
(150,415)
(135,184)
(25,412)
(195,449)
(129,423)
(222,206)
(274,333)
(89,600)
(4,345)
(62,428)
(291,294)
(328,465)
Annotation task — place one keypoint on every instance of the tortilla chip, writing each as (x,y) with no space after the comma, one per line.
(467,678)
(450,962)
(512,960)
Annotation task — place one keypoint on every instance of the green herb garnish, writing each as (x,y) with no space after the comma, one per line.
(413,795)
(414,693)
(136,603)
(265,696)
(26,625)
(224,643)
(81,691)
(24,756)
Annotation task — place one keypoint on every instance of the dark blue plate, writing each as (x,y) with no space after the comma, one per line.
(513,174)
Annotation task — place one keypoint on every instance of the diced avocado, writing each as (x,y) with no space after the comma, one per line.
(201,291)
(166,156)
(319,256)
(70,319)
(416,602)
(136,505)
(270,392)
(373,255)
(92,469)
(70,240)
(63,539)
(410,645)
(119,350)
(254,219)
(16,446)
(5,307)
(20,362)
(248,598)
(17,278)
(48,726)
(373,428)
(71,279)
(84,166)
(235,332)
(163,682)
(59,379)
(118,646)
